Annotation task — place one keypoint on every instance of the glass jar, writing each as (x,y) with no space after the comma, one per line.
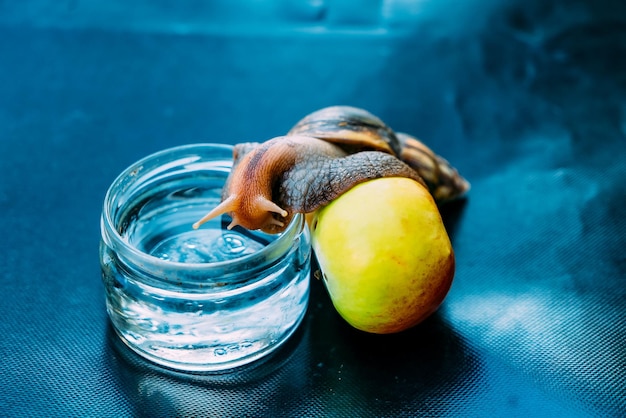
(196,300)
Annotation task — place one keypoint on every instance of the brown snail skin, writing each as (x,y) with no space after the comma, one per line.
(295,174)
(323,156)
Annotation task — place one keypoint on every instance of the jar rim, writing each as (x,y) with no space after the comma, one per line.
(115,240)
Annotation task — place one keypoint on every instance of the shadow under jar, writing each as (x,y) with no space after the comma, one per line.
(196,300)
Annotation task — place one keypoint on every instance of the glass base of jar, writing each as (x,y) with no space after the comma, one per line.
(206,359)
(207,332)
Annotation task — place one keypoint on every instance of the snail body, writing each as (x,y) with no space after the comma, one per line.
(323,156)
(295,174)
(248,196)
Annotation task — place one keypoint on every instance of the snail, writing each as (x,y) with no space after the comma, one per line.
(325,154)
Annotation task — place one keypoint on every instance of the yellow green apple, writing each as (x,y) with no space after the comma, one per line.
(385,256)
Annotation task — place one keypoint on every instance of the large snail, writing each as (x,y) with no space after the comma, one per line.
(322,156)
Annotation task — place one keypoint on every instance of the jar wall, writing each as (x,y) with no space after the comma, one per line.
(208,314)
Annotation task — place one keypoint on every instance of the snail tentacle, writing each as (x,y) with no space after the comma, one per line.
(227,205)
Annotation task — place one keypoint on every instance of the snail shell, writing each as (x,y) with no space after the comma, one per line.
(356,129)
(444,181)
(351,128)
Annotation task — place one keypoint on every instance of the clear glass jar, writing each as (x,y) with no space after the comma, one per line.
(196,300)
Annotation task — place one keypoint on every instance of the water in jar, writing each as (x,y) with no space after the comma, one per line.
(197,324)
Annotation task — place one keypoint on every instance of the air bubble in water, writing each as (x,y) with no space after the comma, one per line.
(232,244)
(220,351)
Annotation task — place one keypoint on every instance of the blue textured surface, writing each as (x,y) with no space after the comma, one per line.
(527,100)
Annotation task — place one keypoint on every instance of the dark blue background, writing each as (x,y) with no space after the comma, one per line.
(526,99)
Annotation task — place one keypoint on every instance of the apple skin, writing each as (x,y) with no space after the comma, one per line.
(385,256)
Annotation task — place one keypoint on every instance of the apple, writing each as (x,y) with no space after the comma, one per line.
(385,256)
